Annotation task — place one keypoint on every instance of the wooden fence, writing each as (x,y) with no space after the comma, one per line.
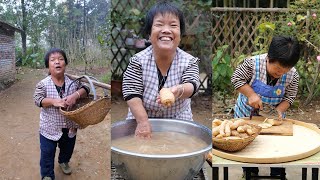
(238,27)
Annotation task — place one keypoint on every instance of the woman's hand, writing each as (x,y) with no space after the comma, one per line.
(280,113)
(71,99)
(59,102)
(177,91)
(255,101)
(143,130)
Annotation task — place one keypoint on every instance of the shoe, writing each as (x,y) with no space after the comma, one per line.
(47,178)
(65,168)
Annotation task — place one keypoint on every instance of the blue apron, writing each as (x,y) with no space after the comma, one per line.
(272,95)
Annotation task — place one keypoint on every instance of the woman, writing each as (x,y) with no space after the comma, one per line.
(268,78)
(50,95)
(160,65)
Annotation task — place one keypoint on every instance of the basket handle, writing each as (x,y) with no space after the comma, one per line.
(91,86)
(104,90)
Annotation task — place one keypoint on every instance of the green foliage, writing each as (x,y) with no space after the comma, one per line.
(106,78)
(70,25)
(198,31)
(131,19)
(303,22)
(34,60)
(222,70)
(265,35)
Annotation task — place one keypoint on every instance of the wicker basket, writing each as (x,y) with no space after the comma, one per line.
(232,145)
(90,110)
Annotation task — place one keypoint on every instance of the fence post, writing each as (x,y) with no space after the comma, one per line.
(271,3)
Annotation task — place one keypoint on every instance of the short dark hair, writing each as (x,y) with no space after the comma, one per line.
(52,51)
(163,7)
(285,50)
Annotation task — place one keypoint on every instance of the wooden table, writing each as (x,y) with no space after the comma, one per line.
(309,162)
(263,155)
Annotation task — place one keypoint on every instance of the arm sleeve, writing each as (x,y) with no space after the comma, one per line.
(243,74)
(39,94)
(132,85)
(292,89)
(191,75)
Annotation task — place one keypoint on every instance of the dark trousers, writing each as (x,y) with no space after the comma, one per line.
(48,151)
(273,171)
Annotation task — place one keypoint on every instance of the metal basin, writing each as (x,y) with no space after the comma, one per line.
(135,166)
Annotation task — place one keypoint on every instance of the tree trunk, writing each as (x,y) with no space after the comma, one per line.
(24,28)
(84,37)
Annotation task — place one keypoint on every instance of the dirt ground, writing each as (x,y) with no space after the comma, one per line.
(19,137)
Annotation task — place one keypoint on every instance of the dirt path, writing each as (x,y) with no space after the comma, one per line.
(19,137)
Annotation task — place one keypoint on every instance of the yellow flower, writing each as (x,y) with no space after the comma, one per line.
(278,92)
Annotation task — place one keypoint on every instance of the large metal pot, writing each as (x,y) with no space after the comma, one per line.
(135,166)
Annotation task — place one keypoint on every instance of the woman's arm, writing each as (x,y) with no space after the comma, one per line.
(190,81)
(41,100)
(143,125)
(132,88)
(72,98)
(253,98)
(289,95)
(240,80)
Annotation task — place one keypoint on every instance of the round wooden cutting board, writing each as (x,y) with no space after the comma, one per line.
(278,149)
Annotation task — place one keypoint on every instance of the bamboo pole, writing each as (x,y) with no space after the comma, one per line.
(99,84)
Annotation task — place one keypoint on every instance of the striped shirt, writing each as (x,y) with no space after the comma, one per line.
(245,74)
(141,79)
(51,121)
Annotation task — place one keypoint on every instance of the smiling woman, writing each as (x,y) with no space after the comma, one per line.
(161,65)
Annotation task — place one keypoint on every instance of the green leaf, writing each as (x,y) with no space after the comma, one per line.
(219,54)
(227,58)
(215,62)
(223,70)
(224,47)
(300,17)
(135,11)
(263,27)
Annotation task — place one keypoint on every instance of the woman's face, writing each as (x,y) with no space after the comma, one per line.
(57,64)
(165,32)
(276,70)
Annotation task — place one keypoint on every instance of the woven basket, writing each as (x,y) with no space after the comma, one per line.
(90,110)
(233,145)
